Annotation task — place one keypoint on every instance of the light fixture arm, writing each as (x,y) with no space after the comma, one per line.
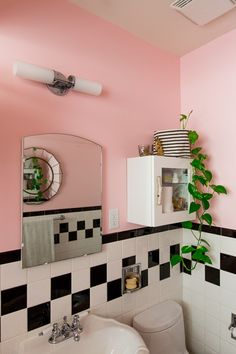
(61,85)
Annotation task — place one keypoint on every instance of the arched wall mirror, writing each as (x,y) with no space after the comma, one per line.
(61,217)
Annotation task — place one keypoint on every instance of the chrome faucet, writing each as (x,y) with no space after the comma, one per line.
(66,331)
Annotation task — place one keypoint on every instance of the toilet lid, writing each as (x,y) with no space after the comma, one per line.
(158,318)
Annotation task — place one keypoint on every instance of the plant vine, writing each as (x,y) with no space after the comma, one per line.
(202,191)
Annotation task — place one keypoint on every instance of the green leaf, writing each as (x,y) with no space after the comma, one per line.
(207,217)
(195,151)
(199,256)
(208,175)
(207,196)
(205,204)
(198,164)
(194,207)
(206,259)
(202,249)
(187,225)
(183,117)
(201,179)
(187,249)
(204,241)
(202,157)
(194,192)
(218,189)
(175,260)
(192,136)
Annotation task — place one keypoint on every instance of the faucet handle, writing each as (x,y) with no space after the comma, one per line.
(55,328)
(76,323)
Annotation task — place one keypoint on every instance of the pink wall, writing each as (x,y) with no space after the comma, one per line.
(141,94)
(208,86)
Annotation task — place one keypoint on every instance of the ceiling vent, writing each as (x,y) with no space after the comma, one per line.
(203,11)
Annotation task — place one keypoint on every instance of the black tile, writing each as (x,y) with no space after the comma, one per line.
(124,235)
(174,249)
(144,278)
(81,225)
(113,289)
(88,233)
(228,263)
(80,301)
(212,275)
(153,258)
(72,235)
(13,299)
(206,228)
(175,226)
(188,263)
(96,222)
(143,231)
(56,239)
(60,286)
(228,232)
(128,261)
(109,238)
(10,256)
(64,227)
(164,270)
(98,275)
(38,316)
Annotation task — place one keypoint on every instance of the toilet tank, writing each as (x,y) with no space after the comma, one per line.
(162,328)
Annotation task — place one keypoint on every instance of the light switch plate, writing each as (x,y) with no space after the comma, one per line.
(113,218)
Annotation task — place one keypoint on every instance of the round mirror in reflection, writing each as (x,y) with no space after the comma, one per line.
(42,175)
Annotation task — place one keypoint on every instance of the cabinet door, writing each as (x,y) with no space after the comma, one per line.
(172,200)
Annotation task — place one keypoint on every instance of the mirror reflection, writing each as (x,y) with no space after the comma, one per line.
(61,217)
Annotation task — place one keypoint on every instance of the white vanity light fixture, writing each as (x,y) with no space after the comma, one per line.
(56,81)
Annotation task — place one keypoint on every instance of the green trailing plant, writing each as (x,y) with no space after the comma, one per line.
(202,190)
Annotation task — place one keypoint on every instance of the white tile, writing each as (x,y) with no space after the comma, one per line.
(198,286)
(98,295)
(100,310)
(13,324)
(142,251)
(114,308)
(80,262)
(141,300)
(98,258)
(12,275)
(227,298)
(154,293)
(227,281)
(128,248)
(199,272)
(60,307)
(128,302)
(227,245)
(38,292)
(198,316)
(62,267)
(212,325)
(153,242)
(212,292)
(212,308)
(198,300)
(114,250)
(153,275)
(198,332)
(38,273)
(164,254)
(212,341)
(114,270)
(226,348)
(187,281)
(80,280)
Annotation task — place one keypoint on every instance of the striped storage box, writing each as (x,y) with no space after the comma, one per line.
(175,143)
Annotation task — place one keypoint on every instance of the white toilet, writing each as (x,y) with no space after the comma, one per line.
(162,328)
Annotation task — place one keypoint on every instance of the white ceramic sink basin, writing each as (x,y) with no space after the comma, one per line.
(100,336)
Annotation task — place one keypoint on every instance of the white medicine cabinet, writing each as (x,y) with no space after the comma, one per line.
(157,190)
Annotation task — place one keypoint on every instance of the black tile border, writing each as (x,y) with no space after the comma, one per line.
(61,211)
(15,255)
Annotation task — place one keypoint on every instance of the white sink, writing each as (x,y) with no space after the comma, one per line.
(100,336)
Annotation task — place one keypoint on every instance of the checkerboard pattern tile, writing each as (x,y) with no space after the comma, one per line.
(42,295)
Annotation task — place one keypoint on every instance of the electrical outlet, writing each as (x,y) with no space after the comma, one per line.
(113,218)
